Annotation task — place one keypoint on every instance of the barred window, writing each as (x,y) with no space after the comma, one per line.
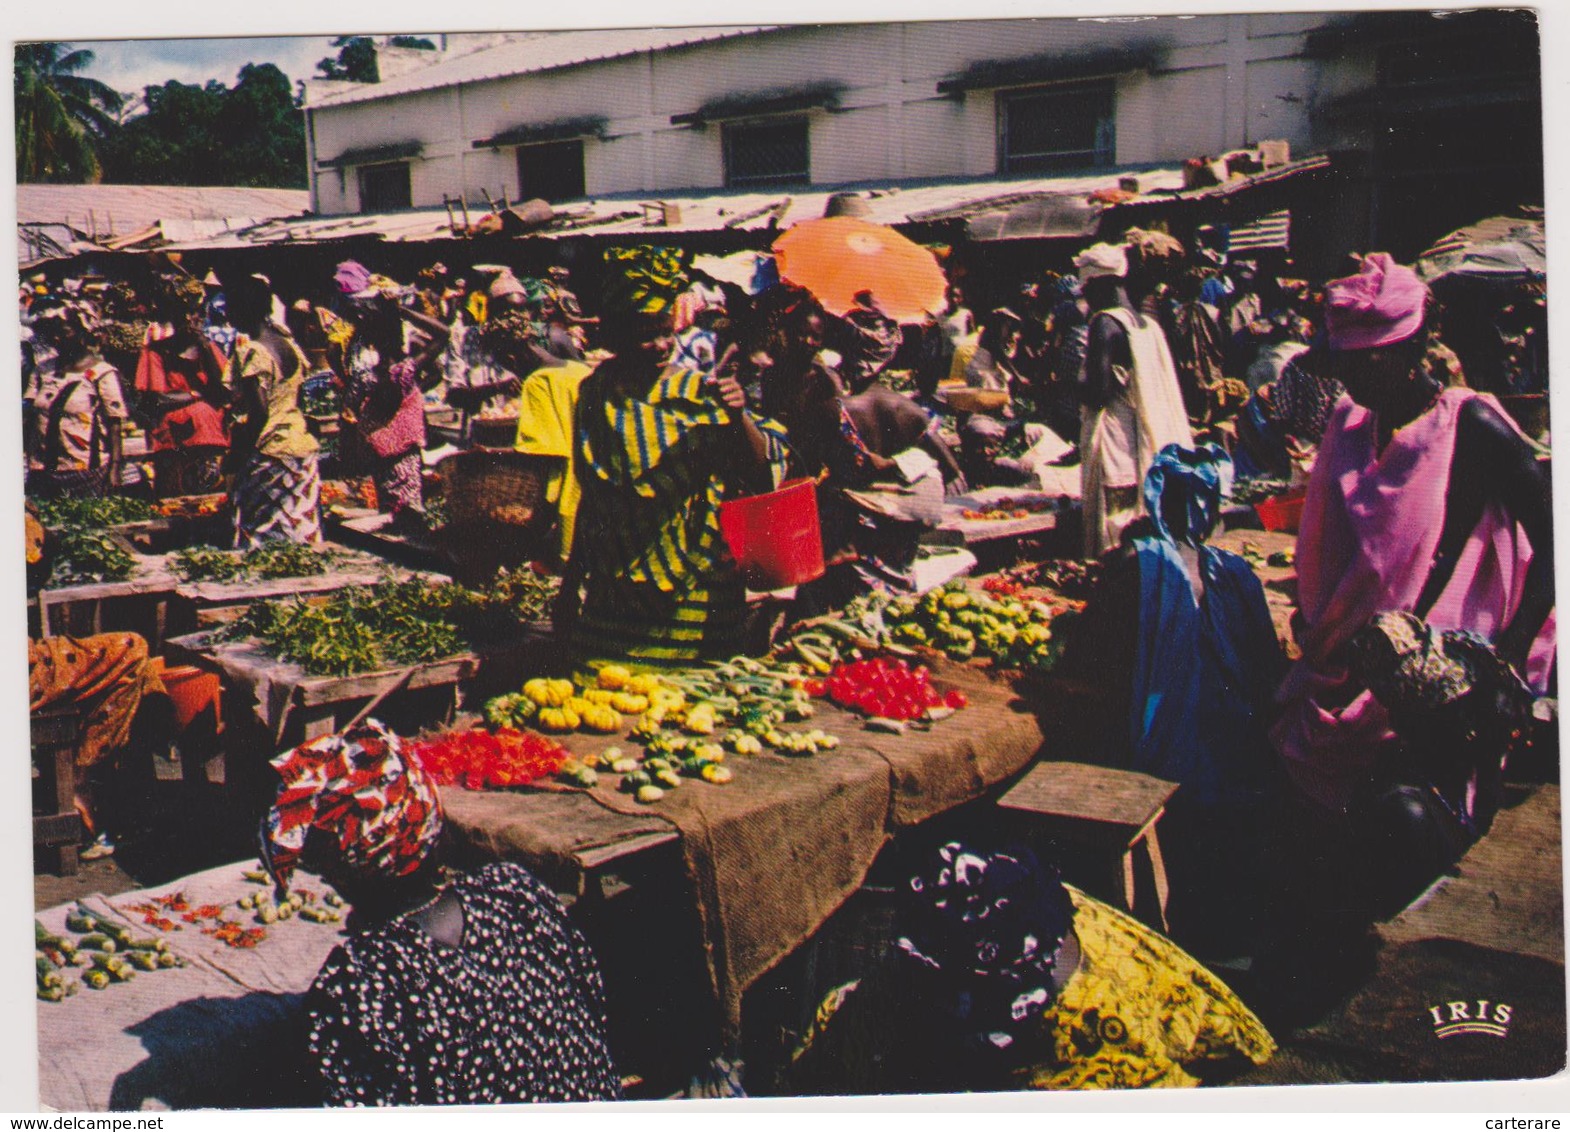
(1065,126)
(384,188)
(772,152)
(551,171)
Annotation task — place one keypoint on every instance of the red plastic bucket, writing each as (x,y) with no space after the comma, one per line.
(1282,512)
(775,538)
(192,690)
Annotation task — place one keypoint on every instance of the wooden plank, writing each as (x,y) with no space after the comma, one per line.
(591,859)
(319,690)
(1093,794)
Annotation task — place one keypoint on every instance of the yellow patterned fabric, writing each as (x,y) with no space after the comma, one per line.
(1140,1012)
(1137,1013)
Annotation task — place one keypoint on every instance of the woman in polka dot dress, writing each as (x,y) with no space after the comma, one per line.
(479,991)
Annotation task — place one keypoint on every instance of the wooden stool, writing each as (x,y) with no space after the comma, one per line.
(1101,807)
(57,827)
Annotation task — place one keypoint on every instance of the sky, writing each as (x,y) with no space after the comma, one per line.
(128,65)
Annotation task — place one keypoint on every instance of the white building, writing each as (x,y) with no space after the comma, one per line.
(1407,101)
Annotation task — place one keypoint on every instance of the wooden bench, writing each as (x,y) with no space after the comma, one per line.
(57,827)
(1105,809)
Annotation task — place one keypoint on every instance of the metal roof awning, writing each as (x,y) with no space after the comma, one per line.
(993,74)
(1044,215)
(817,97)
(562,129)
(374,154)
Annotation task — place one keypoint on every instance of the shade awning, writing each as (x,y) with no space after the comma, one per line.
(561,129)
(995,74)
(820,97)
(374,154)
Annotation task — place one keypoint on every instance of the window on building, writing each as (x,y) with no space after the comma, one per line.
(1067,126)
(551,171)
(772,152)
(384,188)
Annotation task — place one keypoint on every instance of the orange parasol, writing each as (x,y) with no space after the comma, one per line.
(838,257)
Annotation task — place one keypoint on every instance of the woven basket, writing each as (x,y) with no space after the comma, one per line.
(496,490)
(493,432)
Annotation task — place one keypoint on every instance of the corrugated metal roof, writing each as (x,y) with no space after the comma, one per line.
(992,208)
(120,210)
(692,211)
(528,56)
(39,243)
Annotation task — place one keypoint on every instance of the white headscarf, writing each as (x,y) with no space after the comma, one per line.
(1100,260)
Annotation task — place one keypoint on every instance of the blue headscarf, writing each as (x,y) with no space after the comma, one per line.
(1203,476)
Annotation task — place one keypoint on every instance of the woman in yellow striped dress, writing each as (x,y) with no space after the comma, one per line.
(650,579)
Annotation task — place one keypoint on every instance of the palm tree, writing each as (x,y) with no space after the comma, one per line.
(60,114)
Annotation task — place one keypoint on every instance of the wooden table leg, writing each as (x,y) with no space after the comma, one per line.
(1158,869)
(1128,876)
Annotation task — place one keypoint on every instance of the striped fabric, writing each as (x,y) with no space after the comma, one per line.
(659,581)
(1270,231)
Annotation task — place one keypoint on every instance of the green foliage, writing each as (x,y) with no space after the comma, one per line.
(369,628)
(85,556)
(91,513)
(354,63)
(273,559)
(414,41)
(61,116)
(250,134)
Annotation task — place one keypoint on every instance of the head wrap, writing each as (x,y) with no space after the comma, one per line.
(1101,260)
(1381,304)
(506,285)
(352,276)
(984,929)
(378,808)
(1152,245)
(1413,668)
(642,280)
(869,339)
(1198,479)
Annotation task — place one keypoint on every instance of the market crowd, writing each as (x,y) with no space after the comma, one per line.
(1139,386)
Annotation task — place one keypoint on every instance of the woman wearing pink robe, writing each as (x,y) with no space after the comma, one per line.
(1423,499)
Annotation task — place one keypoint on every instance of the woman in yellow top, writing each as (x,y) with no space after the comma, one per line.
(1003,978)
(547,407)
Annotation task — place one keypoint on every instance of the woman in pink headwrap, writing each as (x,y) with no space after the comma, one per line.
(475,991)
(1423,499)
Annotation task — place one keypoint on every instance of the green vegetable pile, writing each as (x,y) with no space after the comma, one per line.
(57,514)
(274,559)
(392,623)
(84,556)
(83,550)
(964,624)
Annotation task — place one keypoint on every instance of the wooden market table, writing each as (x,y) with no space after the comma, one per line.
(195,604)
(136,604)
(987,530)
(271,705)
(771,856)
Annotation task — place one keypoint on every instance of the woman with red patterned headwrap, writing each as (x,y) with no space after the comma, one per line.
(476,991)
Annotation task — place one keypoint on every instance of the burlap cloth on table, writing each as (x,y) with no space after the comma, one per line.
(772,855)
